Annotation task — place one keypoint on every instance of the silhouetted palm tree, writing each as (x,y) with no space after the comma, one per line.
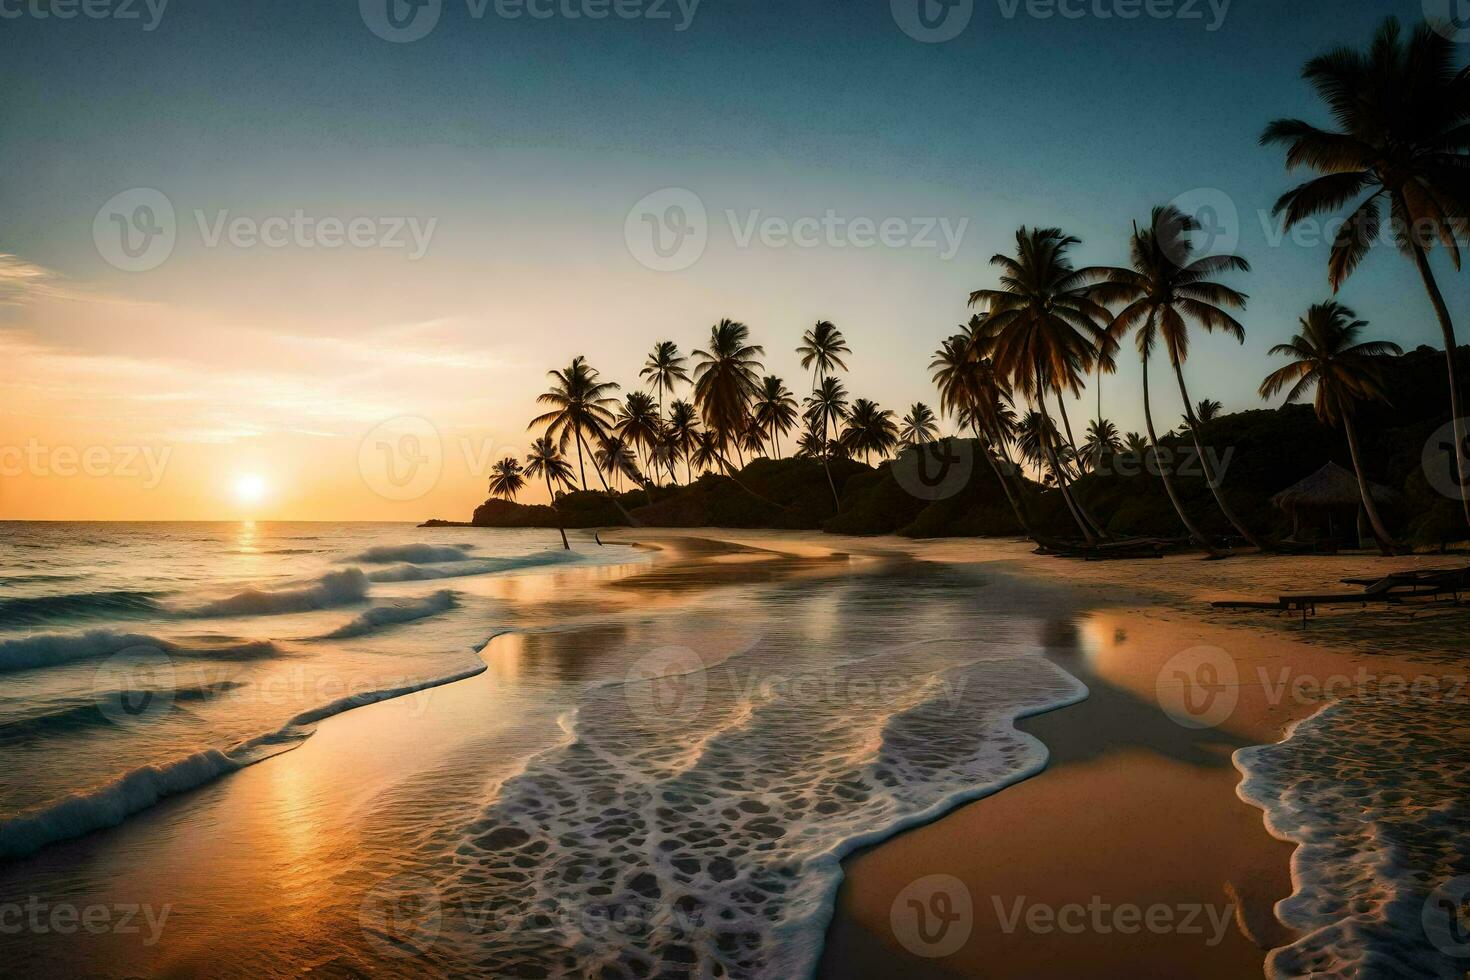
(825,409)
(920,426)
(775,409)
(706,450)
(1207,411)
(663,369)
(614,455)
(810,445)
(1136,445)
(822,348)
(1045,333)
(869,429)
(506,479)
(725,382)
(546,460)
(583,408)
(1401,110)
(1329,357)
(639,425)
(1102,441)
(681,429)
(1168,285)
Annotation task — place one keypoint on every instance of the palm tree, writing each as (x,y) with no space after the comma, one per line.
(506,479)
(1329,357)
(869,429)
(1401,110)
(753,438)
(825,409)
(1208,411)
(725,382)
(614,455)
(1045,333)
(1167,287)
(920,427)
(822,348)
(546,460)
(663,369)
(775,409)
(980,400)
(1102,441)
(1036,434)
(680,431)
(810,445)
(639,425)
(1136,445)
(583,408)
(706,450)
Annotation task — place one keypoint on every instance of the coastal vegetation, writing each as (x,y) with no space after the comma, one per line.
(734,446)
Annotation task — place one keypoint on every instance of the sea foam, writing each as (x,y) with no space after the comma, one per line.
(393,614)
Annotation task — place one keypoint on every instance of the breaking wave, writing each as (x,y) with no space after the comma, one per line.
(51,649)
(470,566)
(393,614)
(413,554)
(332,589)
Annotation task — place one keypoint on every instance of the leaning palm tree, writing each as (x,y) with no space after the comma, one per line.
(775,410)
(869,429)
(582,412)
(1401,109)
(920,427)
(822,348)
(506,479)
(725,382)
(663,369)
(1168,286)
(682,427)
(546,460)
(1102,441)
(1045,332)
(1329,357)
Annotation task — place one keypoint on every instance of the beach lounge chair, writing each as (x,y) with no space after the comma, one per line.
(1393,588)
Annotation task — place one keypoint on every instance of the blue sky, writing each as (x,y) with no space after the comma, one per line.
(527,141)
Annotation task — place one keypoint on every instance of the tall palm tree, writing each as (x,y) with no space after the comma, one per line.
(979,398)
(640,426)
(1102,441)
(1401,109)
(1168,286)
(682,426)
(775,409)
(869,429)
(614,455)
(663,369)
(920,426)
(725,382)
(822,349)
(583,408)
(1045,332)
(506,479)
(1344,371)
(546,460)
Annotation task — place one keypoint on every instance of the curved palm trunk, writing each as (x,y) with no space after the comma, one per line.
(1004,484)
(1153,440)
(827,468)
(1097,528)
(1051,459)
(1380,534)
(1211,478)
(610,495)
(581,466)
(1447,326)
(555,510)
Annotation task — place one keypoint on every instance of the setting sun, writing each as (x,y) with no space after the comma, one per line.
(250,488)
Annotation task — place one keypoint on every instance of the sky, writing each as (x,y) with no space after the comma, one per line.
(282,260)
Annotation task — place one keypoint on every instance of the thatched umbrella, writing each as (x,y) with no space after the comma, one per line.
(1330,488)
